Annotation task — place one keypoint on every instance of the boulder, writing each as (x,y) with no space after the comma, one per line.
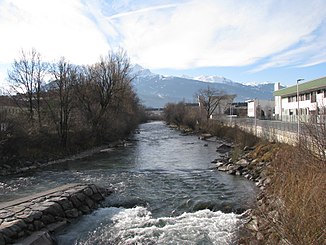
(223,148)
(242,162)
(224,168)
(219,164)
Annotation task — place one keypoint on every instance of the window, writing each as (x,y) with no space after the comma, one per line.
(301,97)
(307,96)
(313,96)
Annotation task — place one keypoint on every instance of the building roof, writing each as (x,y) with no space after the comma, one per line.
(316,84)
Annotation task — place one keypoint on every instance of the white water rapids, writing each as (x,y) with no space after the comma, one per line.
(137,226)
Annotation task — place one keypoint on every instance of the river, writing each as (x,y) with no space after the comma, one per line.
(166,191)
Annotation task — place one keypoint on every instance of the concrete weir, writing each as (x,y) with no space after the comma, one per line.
(30,220)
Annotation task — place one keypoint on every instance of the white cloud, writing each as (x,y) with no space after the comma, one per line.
(55,28)
(310,51)
(216,33)
(166,34)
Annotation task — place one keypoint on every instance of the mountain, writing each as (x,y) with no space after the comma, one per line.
(156,90)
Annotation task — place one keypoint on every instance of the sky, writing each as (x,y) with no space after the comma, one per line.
(242,40)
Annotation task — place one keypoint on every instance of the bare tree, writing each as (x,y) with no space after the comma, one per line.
(26,78)
(103,86)
(65,77)
(211,99)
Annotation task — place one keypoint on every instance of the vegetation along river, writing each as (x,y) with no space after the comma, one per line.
(166,191)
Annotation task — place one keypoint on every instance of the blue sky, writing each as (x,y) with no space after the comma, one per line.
(243,40)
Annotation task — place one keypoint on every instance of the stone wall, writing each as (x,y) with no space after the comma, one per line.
(47,211)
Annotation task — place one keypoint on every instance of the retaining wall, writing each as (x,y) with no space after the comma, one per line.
(47,211)
(269,133)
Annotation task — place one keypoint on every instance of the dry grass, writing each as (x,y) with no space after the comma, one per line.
(299,193)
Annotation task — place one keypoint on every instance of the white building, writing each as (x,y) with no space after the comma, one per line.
(310,106)
(261,109)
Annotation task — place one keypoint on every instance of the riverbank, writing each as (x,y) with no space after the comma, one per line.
(255,164)
(290,207)
(32,219)
(6,169)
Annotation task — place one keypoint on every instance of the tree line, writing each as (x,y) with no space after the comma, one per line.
(65,107)
(210,101)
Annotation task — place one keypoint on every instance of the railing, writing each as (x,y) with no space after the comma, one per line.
(275,130)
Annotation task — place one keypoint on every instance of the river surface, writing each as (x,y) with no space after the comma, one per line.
(166,191)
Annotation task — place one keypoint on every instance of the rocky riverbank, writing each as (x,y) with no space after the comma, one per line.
(254,164)
(39,215)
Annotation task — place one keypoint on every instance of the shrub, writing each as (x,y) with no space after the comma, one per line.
(298,187)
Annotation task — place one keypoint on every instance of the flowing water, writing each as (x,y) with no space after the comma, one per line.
(166,191)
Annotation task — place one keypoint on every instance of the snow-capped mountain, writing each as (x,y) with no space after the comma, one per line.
(213,79)
(156,90)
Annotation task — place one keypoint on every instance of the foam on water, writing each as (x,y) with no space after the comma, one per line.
(137,226)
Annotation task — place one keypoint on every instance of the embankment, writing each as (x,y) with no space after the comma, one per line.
(32,219)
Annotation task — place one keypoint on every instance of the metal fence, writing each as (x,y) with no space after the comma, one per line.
(272,125)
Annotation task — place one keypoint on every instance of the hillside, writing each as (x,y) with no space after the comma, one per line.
(156,90)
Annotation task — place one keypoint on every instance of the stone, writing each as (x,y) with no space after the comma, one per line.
(81,196)
(55,194)
(21,234)
(94,188)
(259,236)
(34,215)
(231,171)
(75,201)
(30,227)
(7,232)
(223,148)
(6,214)
(2,239)
(54,209)
(252,225)
(38,225)
(88,191)
(56,226)
(242,162)
(219,164)
(47,219)
(39,238)
(10,219)
(85,209)
(21,224)
(224,168)
(97,197)
(40,199)
(90,203)
(17,209)
(65,204)
(72,213)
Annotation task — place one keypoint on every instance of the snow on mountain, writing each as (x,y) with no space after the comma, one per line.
(139,71)
(255,83)
(213,79)
(156,90)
